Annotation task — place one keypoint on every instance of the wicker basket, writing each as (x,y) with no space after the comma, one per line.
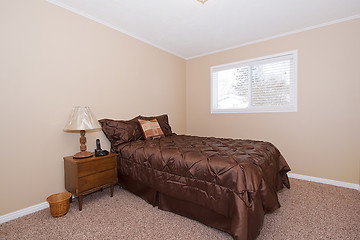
(59,203)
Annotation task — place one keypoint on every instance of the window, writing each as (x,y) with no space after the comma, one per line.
(267,84)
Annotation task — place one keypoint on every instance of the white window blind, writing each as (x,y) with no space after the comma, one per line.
(267,84)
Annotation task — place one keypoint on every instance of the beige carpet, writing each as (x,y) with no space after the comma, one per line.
(309,211)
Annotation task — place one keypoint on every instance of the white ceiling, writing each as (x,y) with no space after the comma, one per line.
(188,28)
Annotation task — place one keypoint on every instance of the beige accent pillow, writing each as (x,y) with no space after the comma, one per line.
(151,128)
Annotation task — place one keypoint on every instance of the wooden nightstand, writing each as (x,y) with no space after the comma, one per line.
(87,175)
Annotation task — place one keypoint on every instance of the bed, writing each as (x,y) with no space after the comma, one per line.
(228,184)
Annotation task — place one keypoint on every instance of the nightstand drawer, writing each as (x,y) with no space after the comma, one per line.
(88,168)
(96,180)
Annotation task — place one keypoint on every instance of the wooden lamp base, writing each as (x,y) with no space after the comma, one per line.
(83,153)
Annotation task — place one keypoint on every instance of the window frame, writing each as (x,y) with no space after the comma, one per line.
(292,107)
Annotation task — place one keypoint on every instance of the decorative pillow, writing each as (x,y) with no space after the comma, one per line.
(120,131)
(163,121)
(151,128)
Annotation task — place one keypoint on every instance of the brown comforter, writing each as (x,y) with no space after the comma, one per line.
(237,179)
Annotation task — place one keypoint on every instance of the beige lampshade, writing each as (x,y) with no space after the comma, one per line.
(81,118)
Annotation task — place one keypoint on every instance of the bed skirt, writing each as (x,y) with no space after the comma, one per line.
(198,212)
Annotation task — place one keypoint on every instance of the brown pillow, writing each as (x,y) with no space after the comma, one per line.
(121,131)
(163,122)
(151,128)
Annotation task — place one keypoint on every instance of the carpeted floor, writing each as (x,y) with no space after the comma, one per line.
(309,211)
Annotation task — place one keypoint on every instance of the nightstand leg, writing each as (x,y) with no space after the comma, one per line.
(80,202)
(111,190)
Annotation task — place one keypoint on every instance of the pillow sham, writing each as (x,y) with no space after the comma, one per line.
(151,128)
(163,121)
(121,131)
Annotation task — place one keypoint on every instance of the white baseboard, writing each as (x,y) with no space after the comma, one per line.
(325,181)
(23,212)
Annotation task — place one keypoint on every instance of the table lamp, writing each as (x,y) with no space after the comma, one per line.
(82,119)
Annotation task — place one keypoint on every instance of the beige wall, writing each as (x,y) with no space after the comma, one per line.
(322,139)
(51,60)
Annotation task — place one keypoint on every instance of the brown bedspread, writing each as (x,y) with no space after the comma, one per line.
(237,179)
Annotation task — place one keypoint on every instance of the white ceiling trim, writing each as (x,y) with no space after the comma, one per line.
(281,35)
(81,13)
